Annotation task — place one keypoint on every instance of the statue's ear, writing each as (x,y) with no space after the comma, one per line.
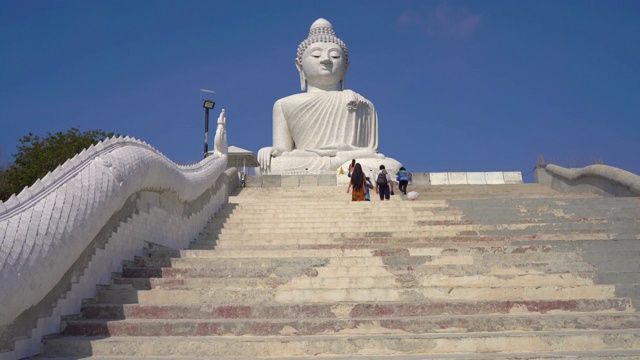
(303,79)
(298,64)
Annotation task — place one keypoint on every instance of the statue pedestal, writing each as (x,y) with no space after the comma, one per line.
(372,166)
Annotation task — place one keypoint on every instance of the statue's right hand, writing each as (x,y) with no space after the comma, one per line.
(264,156)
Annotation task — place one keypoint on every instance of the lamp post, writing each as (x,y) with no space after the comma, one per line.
(207,105)
(206,96)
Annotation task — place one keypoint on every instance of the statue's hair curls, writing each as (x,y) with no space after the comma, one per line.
(322,31)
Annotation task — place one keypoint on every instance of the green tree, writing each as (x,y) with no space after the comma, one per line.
(37,156)
(5,191)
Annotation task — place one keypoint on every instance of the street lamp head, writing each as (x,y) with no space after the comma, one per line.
(208,104)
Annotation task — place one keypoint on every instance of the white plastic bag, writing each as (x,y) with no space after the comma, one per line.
(412,195)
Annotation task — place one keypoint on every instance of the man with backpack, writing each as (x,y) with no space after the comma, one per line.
(384,186)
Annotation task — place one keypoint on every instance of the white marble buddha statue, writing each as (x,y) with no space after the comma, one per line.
(322,129)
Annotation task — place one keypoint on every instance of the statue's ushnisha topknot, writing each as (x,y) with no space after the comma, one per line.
(322,31)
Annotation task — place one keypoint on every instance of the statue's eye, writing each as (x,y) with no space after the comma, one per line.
(335,55)
(315,54)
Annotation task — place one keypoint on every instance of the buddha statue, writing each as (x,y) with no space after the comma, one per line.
(324,128)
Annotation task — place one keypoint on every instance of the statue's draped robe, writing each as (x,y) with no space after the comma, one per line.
(328,129)
(334,118)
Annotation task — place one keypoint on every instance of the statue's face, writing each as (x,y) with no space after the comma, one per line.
(323,64)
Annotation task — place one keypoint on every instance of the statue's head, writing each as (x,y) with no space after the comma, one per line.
(322,57)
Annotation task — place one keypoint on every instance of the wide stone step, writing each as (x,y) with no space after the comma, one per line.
(126,295)
(348,310)
(362,282)
(426,190)
(607,271)
(534,203)
(396,220)
(612,248)
(426,229)
(472,249)
(306,203)
(332,204)
(298,230)
(381,243)
(254,220)
(596,207)
(502,216)
(384,240)
(554,199)
(376,258)
(481,212)
(584,243)
(338,214)
(365,266)
(401,202)
(406,226)
(289,212)
(388,344)
(429,192)
(328,238)
(593,208)
(506,214)
(403,266)
(359,326)
(591,355)
(318,262)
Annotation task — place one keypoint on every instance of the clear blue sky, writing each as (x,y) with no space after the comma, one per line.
(458,85)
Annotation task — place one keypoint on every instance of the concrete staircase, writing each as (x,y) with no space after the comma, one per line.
(464,272)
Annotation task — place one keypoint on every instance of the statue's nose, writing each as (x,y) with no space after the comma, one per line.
(325,59)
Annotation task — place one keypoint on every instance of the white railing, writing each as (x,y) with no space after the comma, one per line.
(598,178)
(74,227)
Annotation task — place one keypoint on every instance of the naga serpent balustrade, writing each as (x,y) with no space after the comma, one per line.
(72,229)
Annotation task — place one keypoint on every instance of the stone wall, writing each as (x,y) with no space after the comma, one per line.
(468,178)
(451,178)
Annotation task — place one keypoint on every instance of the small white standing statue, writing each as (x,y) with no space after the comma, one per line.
(220,140)
(320,130)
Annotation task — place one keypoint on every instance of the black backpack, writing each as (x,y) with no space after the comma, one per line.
(382,179)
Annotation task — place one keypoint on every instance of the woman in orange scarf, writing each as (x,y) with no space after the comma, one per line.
(358,182)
